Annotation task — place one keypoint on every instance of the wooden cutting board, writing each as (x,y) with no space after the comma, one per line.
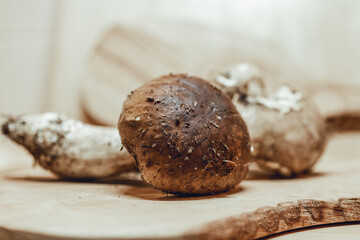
(36,205)
(124,59)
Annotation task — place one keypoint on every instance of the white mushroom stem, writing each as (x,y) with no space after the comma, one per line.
(70,148)
(243,78)
(283,100)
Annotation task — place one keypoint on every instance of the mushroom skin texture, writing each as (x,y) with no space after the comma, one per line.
(288,134)
(185,135)
(288,144)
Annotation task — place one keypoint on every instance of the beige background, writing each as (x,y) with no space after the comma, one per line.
(44,45)
(26,32)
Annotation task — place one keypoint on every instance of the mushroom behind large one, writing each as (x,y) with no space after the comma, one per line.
(288,135)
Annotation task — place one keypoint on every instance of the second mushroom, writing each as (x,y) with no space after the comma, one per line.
(288,135)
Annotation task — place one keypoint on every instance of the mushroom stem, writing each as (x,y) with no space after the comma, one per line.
(69,148)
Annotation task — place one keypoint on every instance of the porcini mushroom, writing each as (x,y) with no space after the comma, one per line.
(185,135)
(288,135)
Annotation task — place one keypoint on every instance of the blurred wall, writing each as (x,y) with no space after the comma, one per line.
(26,32)
(293,38)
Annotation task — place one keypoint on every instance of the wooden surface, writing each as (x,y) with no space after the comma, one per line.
(349,231)
(34,202)
(124,59)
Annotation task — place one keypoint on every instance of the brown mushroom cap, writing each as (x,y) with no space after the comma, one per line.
(185,135)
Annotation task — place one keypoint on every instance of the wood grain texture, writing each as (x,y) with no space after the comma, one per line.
(339,104)
(36,205)
(285,216)
(345,231)
(124,59)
